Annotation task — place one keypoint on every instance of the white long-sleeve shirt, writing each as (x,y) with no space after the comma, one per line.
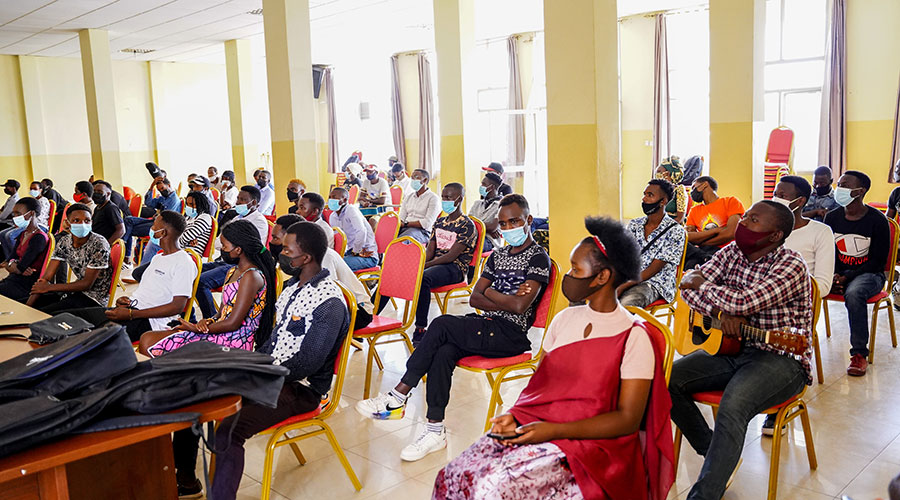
(423,209)
(815,243)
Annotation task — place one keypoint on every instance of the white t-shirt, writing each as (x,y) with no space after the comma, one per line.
(167,277)
(377,189)
(570,324)
(329,231)
(342,273)
(815,243)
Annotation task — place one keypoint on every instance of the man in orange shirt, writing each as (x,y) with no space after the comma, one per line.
(711,222)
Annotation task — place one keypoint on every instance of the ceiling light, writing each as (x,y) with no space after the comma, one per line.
(255,12)
(138,51)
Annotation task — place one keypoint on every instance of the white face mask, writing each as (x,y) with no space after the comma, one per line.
(786,203)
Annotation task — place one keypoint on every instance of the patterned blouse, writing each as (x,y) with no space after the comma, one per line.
(448,232)
(667,248)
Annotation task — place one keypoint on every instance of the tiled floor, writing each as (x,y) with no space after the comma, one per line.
(855,423)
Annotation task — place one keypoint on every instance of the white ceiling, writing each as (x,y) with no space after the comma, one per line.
(193,30)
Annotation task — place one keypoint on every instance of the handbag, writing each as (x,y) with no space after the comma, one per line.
(58,327)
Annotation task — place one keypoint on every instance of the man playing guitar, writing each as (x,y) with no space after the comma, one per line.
(757,281)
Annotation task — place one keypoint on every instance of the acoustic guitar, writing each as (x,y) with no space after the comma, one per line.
(695,332)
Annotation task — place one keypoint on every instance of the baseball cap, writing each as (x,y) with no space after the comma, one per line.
(494,167)
(201,180)
(12,183)
(494,177)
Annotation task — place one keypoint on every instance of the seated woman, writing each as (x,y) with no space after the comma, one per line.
(198,214)
(580,439)
(87,254)
(248,299)
(24,265)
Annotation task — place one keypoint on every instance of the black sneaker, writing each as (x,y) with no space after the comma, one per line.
(191,490)
(418,335)
(768,428)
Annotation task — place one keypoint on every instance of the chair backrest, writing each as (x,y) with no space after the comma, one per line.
(134,205)
(659,335)
(781,146)
(401,275)
(326,214)
(545,309)
(679,271)
(116,258)
(128,193)
(178,190)
(340,363)
(816,299)
(889,270)
(215,193)
(396,194)
(51,246)
(340,241)
(182,206)
(65,213)
(269,236)
(186,314)
(386,230)
(51,216)
(209,249)
(353,194)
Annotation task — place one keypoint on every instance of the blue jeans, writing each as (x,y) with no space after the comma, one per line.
(752,381)
(135,227)
(416,233)
(356,262)
(856,293)
(212,276)
(150,251)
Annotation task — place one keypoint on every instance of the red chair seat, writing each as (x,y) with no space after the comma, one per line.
(298,418)
(378,324)
(368,270)
(873,299)
(450,288)
(660,302)
(715,397)
(491,363)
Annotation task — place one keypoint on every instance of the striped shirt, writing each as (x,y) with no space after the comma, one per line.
(198,229)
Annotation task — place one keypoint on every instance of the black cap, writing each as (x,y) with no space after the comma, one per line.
(494,167)
(398,167)
(228,174)
(494,178)
(12,183)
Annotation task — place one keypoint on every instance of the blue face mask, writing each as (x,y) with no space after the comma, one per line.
(482,191)
(843,196)
(242,210)
(415,184)
(190,212)
(153,238)
(34,193)
(515,237)
(448,206)
(334,205)
(80,230)
(20,221)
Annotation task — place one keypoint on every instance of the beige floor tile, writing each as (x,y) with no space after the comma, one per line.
(749,486)
(385,451)
(408,489)
(254,492)
(873,481)
(326,479)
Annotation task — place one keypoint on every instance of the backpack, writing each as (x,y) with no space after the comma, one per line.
(693,168)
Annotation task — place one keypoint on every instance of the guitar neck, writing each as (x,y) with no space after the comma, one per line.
(753,333)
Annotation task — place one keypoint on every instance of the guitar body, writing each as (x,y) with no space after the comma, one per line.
(695,332)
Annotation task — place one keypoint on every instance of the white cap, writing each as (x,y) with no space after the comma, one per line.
(355,168)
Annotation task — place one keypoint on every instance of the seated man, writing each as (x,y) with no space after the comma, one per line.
(52,194)
(228,192)
(84,191)
(447,256)
(87,255)
(107,220)
(38,194)
(399,177)
(140,226)
(115,197)
(661,242)
(420,208)
(311,323)
(164,290)
(486,208)
(332,261)
(862,237)
(375,190)
(508,292)
(11,189)
(214,273)
(755,281)
(711,222)
(497,168)
(354,172)
(201,184)
(295,190)
(822,200)
(266,193)
(309,207)
(362,252)
(27,255)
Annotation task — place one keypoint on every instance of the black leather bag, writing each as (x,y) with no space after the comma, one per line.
(58,327)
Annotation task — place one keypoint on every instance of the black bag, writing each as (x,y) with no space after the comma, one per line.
(154,169)
(693,168)
(58,327)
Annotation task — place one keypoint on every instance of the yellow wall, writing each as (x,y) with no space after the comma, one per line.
(14,156)
(872,73)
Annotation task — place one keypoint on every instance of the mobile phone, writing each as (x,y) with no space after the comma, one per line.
(502,437)
(173,323)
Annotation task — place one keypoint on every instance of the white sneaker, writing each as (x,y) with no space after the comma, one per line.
(381,407)
(428,442)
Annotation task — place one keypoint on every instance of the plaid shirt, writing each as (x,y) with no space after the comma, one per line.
(772,293)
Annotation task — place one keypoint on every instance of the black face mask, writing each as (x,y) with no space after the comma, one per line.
(697,196)
(262,183)
(285,262)
(578,289)
(98,198)
(650,208)
(292,196)
(275,249)
(164,192)
(229,259)
(822,190)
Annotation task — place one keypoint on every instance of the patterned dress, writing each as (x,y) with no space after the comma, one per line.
(242,338)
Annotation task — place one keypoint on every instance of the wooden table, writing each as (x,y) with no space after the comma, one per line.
(121,464)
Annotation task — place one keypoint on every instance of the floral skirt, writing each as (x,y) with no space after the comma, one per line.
(240,339)
(488,470)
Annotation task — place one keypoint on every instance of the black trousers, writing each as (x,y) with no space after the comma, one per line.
(363,318)
(451,338)
(18,287)
(696,255)
(57,302)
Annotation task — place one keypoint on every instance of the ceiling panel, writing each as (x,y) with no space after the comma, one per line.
(13,10)
(57,13)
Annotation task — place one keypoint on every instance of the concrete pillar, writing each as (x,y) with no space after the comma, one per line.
(239,71)
(34,118)
(291,105)
(100,98)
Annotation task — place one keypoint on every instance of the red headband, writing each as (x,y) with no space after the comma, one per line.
(601,246)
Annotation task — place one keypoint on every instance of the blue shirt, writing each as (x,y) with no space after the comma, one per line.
(825,201)
(169,202)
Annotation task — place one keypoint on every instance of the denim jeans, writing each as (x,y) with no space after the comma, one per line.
(752,381)
(856,293)
(416,233)
(150,251)
(212,276)
(135,227)
(356,262)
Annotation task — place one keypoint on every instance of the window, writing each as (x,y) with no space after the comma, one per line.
(794,72)
(687,41)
